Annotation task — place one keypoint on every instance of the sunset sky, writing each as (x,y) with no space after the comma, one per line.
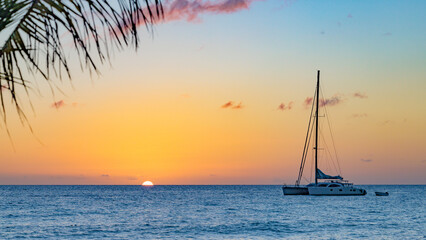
(216,96)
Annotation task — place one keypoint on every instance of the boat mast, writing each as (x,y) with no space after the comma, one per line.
(316,130)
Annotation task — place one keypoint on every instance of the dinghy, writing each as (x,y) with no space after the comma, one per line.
(382,194)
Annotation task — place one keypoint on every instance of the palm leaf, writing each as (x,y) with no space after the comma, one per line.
(36,39)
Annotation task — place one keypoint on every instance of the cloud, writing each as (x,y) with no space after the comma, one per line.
(58,104)
(190,10)
(366,160)
(336,99)
(200,48)
(349,16)
(283,107)
(387,34)
(359,115)
(105,175)
(231,105)
(227,105)
(386,122)
(360,95)
(239,106)
(62,103)
(308,101)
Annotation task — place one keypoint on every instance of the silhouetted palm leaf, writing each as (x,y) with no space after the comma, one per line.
(38,29)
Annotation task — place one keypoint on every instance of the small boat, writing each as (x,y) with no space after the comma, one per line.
(324,185)
(382,194)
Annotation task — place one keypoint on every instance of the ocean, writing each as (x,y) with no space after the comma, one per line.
(208,212)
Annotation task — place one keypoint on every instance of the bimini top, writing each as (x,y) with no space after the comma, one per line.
(321,175)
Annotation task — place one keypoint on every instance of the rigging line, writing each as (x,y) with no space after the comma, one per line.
(307,150)
(306,180)
(329,153)
(312,167)
(332,137)
(302,163)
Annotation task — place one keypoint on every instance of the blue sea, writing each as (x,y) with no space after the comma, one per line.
(208,212)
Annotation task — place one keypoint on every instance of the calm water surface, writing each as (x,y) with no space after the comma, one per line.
(208,212)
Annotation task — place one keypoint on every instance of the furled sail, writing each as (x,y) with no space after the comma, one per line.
(321,175)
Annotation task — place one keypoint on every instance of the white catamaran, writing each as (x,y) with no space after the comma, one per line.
(324,184)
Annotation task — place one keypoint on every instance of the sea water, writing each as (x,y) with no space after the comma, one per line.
(208,212)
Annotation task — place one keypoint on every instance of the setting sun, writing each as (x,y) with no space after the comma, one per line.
(147,183)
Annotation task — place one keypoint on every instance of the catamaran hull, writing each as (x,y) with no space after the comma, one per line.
(295,190)
(336,191)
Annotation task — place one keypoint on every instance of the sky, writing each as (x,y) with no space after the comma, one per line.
(217,95)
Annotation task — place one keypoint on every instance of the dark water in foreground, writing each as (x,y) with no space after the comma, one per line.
(208,212)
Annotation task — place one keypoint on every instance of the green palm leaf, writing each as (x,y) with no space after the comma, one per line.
(35,37)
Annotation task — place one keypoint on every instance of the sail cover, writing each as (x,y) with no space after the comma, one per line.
(321,175)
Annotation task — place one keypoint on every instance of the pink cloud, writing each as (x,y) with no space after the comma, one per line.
(62,103)
(283,107)
(308,101)
(359,115)
(360,95)
(336,99)
(239,106)
(231,105)
(189,10)
(58,104)
(227,105)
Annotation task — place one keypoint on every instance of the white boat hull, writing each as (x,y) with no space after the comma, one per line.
(336,191)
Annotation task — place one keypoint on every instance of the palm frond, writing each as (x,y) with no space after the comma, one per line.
(36,40)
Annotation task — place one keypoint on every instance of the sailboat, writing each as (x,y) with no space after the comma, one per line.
(324,185)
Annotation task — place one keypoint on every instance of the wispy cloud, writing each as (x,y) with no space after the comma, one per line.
(232,105)
(366,160)
(349,15)
(360,95)
(227,105)
(105,175)
(58,104)
(359,115)
(334,100)
(239,106)
(190,10)
(387,34)
(283,106)
(62,103)
(308,102)
(386,122)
